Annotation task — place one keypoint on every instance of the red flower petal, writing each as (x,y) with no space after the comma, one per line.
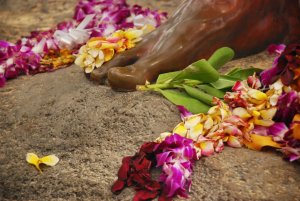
(148,147)
(118,186)
(143,163)
(124,169)
(164,198)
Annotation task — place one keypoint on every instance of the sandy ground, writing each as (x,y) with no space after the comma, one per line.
(90,128)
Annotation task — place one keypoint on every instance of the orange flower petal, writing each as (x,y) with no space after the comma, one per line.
(258,142)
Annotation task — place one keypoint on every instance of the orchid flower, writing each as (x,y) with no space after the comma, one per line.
(177,157)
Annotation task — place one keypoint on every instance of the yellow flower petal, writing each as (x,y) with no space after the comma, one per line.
(268,114)
(241,112)
(296,127)
(209,123)
(234,142)
(256,94)
(207,148)
(258,142)
(261,122)
(50,160)
(79,60)
(108,54)
(194,132)
(192,121)
(180,129)
(132,34)
(33,159)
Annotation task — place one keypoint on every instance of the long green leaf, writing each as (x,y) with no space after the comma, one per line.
(200,70)
(199,94)
(178,98)
(224,82)
(243,74)
(211,90)
(166,77)
(220,57)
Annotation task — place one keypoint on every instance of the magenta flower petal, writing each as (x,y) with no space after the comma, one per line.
(269,76)
(288,105)
(183,112)
(278,131)
(276,49)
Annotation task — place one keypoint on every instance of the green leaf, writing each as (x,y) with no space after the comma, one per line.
(178,98)
(166,77)
(200,70)
(243,74)
(224,82)
(198,94)
(212,91)
(220,57)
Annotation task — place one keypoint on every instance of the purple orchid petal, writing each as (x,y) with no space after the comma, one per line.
(276,49)
(183,112)
(269,76)
(288,105)
(278,131)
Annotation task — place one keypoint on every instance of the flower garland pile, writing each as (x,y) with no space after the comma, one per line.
(44,51)
(102,49)
(260,111)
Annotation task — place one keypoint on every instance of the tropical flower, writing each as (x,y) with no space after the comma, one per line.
(94,54)
(177,157)
(33,159)
(288,106)
(56,59)
(126,39)
(99,50)
(135,171)
(286,67)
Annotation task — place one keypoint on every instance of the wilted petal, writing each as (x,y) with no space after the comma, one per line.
(258,142)
(194,132)
(261,122)
(207,148)
(234,142)
(256,94)
(268,114)
(192,121)
(278,130)
(209,123)
(220,146)
(241,112)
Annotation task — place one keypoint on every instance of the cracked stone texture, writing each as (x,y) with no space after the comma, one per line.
(90,128)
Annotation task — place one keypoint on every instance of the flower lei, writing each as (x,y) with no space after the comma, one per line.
(260,111)
(45,51)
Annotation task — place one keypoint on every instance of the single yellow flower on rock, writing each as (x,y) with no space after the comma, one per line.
(33,159)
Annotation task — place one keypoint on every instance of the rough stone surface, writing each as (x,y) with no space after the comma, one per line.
(90,128)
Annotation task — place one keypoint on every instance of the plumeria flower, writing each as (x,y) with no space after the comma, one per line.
(126,39)
(94,54)
(33,159)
